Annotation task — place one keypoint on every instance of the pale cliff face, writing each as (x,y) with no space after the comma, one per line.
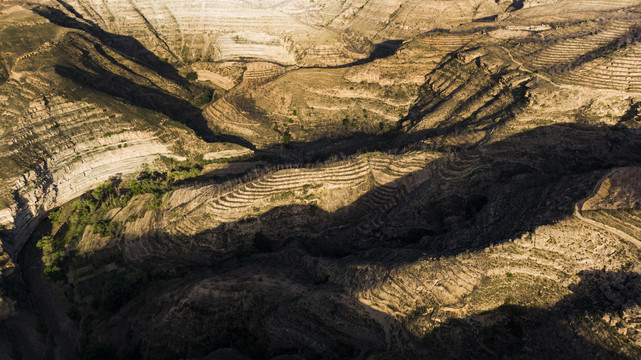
(60,139)
(321,179)
(287,32)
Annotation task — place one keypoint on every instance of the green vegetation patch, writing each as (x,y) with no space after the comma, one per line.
(70,221)
(108,228)
(205,98)
(112,133)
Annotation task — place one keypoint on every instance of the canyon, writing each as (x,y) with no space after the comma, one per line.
(296,179)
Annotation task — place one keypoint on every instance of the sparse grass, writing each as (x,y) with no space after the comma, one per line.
(282,196)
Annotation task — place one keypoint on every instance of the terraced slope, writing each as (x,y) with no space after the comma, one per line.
(452,214)
(621,72)
(554,8)
(570,49)
(205,211)
(602,57)
(312,104)
(475,91)
(614,205)
(61,137)
(530,270)
(292,32)
(222,30)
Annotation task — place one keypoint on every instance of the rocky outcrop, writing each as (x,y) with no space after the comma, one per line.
(619,190)
(218,30)
(62,139)
(293,32)
(7,305)
(73,172)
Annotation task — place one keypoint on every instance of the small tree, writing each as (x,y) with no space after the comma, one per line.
(102,191)
(51,256)
(287,138)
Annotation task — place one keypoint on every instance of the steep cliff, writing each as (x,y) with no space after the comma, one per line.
(320,180)
(76,112)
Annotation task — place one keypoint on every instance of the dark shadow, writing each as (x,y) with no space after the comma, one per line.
(123,44)
(91,75)
(545,170)
(516,184)
(469,200)
(633,114)
(4,74)
(516,5)
(381,50)
(560,332)
(175,108)
(119,87)
(71,9)
(310,152)
(509,331)
(486,19)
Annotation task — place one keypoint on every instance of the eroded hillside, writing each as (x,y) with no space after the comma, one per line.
(320,179)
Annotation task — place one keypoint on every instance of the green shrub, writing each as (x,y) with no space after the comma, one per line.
(51,255)
(155,203)
(108,228)
(204,99)
(148,186)
(54,216)
(287,139)
(183,173)
(191,76)
(102,191)
(112,133)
